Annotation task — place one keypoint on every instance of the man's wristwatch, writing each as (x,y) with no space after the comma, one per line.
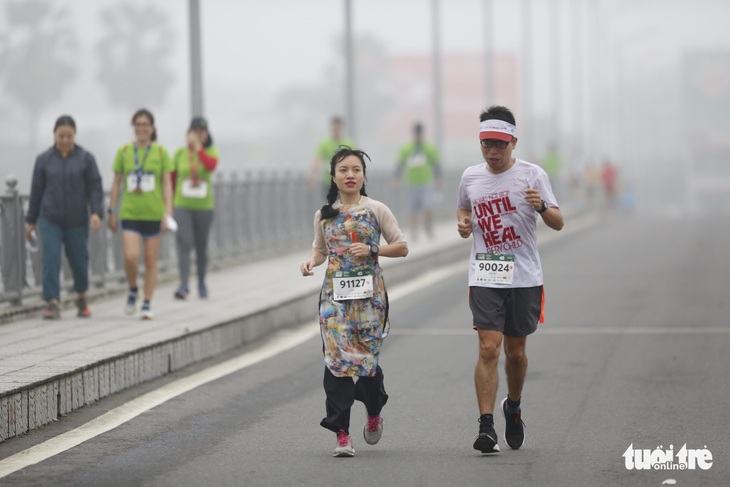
(374,249)
(543,208)
(112,211)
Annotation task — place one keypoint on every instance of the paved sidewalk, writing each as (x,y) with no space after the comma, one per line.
(50,368)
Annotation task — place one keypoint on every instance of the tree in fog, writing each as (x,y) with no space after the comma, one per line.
(133,55)
(36,56)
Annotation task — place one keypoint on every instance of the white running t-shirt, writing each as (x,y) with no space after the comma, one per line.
(503,222)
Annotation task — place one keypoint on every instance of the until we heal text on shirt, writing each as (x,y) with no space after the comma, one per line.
(503,222)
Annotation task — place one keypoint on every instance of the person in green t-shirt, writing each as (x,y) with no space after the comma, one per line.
(194,205)
(551,165)
(142,172)
(418,164)
(326,149)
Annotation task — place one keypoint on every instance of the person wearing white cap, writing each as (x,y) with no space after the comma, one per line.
(498,204)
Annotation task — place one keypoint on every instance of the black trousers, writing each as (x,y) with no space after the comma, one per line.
(343,391)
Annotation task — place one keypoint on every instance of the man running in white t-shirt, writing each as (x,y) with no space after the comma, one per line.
(499,203)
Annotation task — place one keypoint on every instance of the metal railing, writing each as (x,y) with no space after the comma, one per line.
(256,214)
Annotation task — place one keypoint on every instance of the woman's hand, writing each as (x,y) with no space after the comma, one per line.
(307,267)
(95,222)
(112,222)
(359,249)
(30,229)
(194,141)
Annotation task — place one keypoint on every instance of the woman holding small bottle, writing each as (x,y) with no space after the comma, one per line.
(142,175)
(66,196)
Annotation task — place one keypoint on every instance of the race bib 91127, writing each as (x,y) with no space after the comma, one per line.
(352,285)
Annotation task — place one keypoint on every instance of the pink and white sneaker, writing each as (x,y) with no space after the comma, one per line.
(373,429)
(344,445)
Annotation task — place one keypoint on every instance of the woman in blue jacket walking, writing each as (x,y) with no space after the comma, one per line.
(66,194)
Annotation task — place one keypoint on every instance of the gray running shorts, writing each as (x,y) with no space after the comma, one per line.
(513,311)
(421,198)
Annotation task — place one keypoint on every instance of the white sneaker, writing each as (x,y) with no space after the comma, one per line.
(131,306)
(373,429)
(344,445)
(147,314)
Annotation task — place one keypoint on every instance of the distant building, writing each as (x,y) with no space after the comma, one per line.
(463,90)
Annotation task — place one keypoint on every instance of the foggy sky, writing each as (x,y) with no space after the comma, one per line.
(267,62)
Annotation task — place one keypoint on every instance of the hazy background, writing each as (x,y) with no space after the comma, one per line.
(642,83)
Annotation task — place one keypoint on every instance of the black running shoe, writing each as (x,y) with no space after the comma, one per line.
(486,442)
(514,432)
(182,293)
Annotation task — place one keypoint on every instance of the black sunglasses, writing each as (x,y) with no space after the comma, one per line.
(499,144)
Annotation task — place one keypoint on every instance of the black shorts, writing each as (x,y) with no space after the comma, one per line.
(513,311)
(145,228)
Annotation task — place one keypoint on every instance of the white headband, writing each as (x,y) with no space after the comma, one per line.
(496,129)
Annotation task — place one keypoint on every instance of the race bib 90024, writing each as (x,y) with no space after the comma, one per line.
(494,268)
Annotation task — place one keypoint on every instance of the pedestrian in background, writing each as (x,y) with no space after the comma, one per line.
(552,165)
(66,195)
(609,176)
(194,204)
(320,172)
(419,162)
(142,173)
(499,203)
(353,306)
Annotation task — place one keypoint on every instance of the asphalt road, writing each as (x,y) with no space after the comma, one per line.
(635,350)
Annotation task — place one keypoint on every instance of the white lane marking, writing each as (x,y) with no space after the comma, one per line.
(285,340)
(288,339)
(120,415)
(580,330)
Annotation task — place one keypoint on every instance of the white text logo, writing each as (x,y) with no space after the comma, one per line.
(660,459)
